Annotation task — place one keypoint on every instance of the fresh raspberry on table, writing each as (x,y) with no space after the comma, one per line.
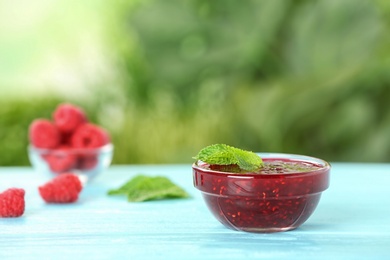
(68,117)
(44,134)
(90,136)
(61,159)
(12,203)
(64,188)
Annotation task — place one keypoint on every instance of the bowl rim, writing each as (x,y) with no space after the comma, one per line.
(105,148)
(296,157)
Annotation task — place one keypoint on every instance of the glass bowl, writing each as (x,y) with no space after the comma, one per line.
(86,163)
(263,202)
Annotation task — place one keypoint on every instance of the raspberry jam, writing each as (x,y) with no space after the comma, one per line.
(280,197)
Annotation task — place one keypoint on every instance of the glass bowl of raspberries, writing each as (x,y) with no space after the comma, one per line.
(69,143)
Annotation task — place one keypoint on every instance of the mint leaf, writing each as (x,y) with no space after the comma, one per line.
(222,154)
(145,188)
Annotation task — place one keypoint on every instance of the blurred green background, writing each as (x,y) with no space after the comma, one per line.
(167,78)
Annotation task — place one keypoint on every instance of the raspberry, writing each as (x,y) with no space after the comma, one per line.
(61,159)
(44,134)
(87,161)
(68,117)
(66,138)
(12,203)
(64,188)
(90,136)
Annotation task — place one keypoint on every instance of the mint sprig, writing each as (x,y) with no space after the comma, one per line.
(145,188)
(222,154)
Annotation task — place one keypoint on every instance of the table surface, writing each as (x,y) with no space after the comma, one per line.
(352,221)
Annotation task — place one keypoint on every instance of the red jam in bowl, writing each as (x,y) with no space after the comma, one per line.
(280,197)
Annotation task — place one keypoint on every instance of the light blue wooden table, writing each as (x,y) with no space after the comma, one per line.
(352,221)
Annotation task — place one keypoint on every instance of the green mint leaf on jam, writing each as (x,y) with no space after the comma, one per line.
(222,154)
(146,188)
